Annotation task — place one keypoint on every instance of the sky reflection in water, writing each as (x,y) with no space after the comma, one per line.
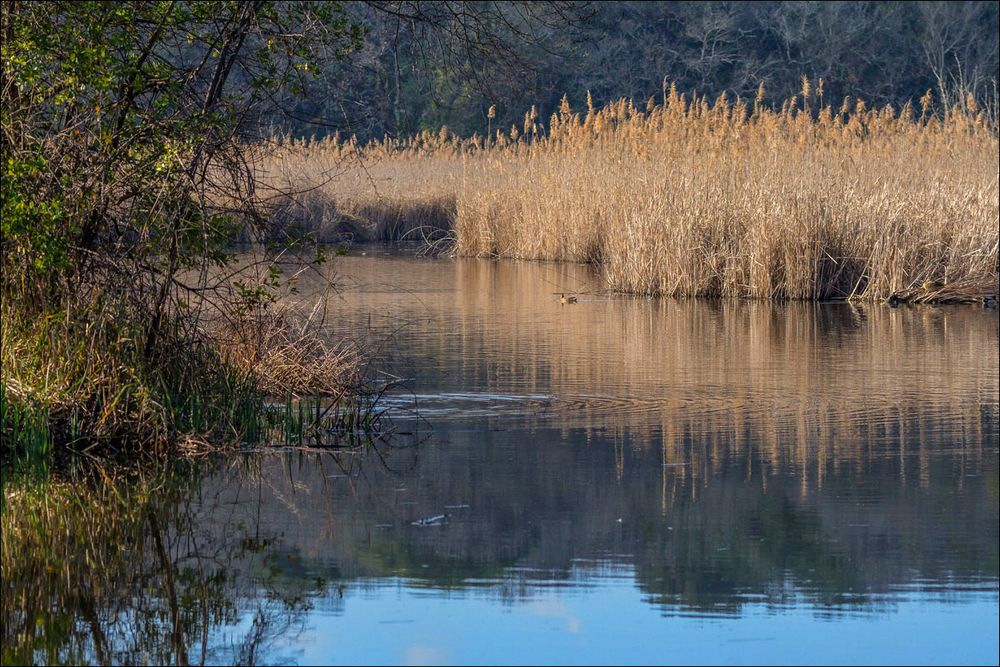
(621,480)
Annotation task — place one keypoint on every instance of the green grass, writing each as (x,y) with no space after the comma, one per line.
(24,428)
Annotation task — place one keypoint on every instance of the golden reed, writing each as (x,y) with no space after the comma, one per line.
(692,197)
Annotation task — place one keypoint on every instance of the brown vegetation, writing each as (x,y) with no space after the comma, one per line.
(284,350)
(692,197)
(337,190)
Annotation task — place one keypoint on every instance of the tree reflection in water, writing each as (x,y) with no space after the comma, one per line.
(114,567)
(223,560)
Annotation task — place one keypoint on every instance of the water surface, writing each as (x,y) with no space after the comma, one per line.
(616,480)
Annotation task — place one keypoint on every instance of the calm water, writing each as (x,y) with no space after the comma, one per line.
(617,480)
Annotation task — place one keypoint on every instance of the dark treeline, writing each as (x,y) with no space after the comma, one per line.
(412,74)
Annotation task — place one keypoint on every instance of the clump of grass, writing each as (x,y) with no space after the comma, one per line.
(686,196)
(315,421)
(25,428)
(81,381)
(285,351)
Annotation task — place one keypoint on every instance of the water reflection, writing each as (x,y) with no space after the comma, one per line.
(619,480)
(225,562)
(114,568)
(523,511)
(811,386)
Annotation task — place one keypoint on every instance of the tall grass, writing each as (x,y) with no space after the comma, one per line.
(80,380)
(686,196)
(386,192)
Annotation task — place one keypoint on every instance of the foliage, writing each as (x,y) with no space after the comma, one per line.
(411,77)
(120,135)
(125,177)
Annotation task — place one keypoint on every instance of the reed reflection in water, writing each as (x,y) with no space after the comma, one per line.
(236,559)
(811,386)
(618,479)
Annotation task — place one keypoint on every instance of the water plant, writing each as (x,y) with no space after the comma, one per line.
(687,196)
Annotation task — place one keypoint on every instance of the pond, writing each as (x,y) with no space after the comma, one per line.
(616,480)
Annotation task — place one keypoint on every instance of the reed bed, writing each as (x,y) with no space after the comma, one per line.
(385,192)
(285,352)
(686,196)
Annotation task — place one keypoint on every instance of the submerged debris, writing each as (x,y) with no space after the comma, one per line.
(937,291)
(429,521)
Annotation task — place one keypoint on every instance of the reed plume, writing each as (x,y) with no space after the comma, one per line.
(696,198)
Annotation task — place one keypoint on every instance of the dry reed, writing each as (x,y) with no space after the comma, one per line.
(692,197)
(285,351)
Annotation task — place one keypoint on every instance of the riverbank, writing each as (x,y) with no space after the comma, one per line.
(79,381)
(126,323)
(686,196)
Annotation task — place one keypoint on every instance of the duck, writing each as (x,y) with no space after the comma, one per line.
(932,285)
(563,299)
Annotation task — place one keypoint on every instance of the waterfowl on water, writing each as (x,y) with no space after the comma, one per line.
(566,299)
